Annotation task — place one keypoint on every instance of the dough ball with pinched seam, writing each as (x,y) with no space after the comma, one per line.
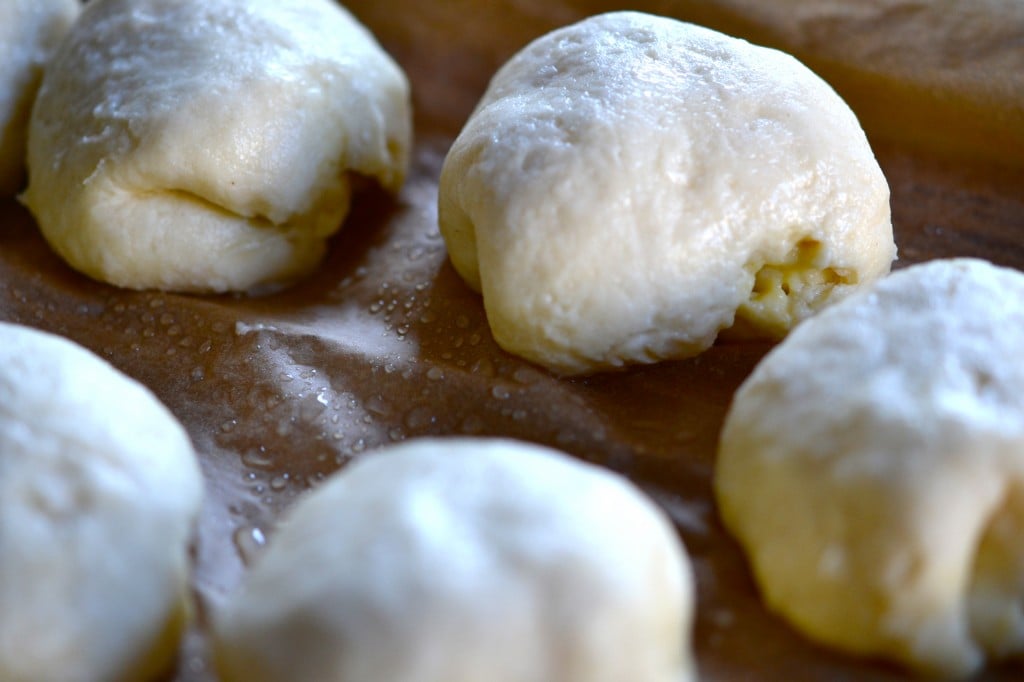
(29,32)
(99,492)
(631,185)
(872,467)
(208,145)
(464,560)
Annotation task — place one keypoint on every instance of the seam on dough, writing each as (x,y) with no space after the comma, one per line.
(785,291)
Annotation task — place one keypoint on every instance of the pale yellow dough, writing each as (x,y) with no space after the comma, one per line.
(465,560)
(631,185)
(29,32)
(207,145)
(99,493)
(872,467)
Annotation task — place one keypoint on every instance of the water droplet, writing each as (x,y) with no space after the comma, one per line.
(462,322)
(312,406)
(378,406)
(526,375)
(279,483)
(229,425)
(284,427)
(198,374)
(500,392)
(249,541)
(435,374)
(483,367)
(420,417)
(258,458)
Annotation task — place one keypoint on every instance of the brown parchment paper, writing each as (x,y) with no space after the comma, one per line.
(386,343)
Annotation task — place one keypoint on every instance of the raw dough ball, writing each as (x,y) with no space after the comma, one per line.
(99,490)
(465,560)
(206,145)
(872,467)
(29,31)
(630,184)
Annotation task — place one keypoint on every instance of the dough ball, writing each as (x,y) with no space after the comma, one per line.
(872,467)
(464,560)
(208,145)
(29,32)
(99,490)
(631,185)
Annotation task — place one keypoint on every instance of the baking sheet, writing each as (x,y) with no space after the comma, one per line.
(385,343)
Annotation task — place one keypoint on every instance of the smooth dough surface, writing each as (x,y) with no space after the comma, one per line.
(464,560)
(872,467)
(99,491)
(29,32)
(630,185)
(207,145)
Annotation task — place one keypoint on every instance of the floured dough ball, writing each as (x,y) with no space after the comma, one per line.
(99,491)
(631,185)
(872,467)
(29,32)
(464,560)
(207,145)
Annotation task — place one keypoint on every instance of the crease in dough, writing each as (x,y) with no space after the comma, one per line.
(170,135)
